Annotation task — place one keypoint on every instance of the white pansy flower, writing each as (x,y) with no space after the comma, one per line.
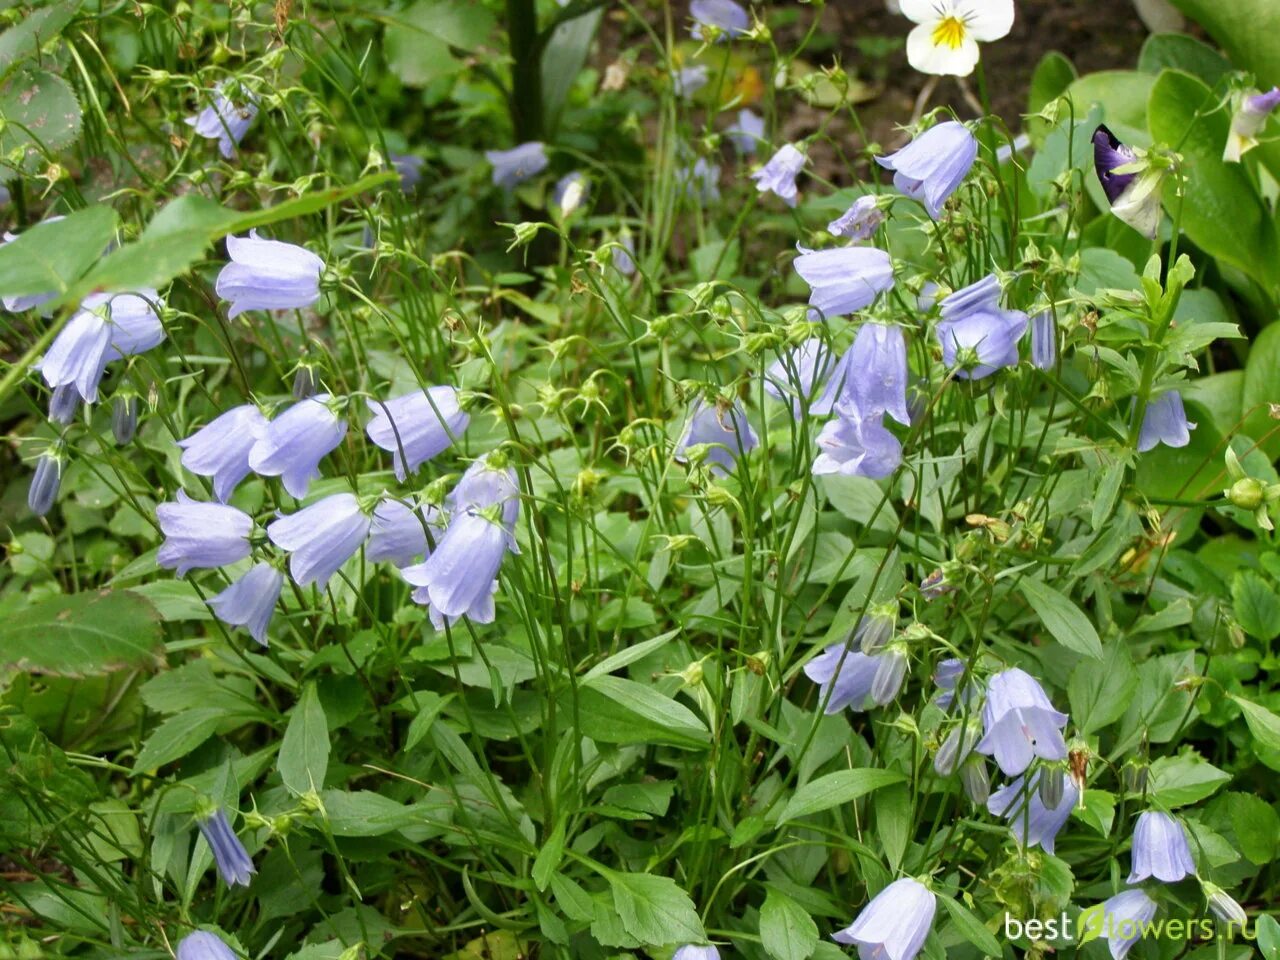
(945,40)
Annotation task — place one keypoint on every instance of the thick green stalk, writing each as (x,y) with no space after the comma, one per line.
(526,70)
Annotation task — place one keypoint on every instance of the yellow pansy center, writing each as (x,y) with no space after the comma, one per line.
(949,33)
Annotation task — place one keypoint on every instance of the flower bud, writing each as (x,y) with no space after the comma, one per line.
(124,417)
(1224,906)
(64,403)
(976,780)
(876,628)
(1052,783)
(44,483)
(956,748)
(304,381)
(1247,494)
(889,676)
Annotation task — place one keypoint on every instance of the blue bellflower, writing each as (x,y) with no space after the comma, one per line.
(933,165)
(320,538)
(135,326)
(1020,723)
(460,576)
(860,221)
(947,676)
(250,601)
(847,673)
(844,280)
(409,167)
(268,275)
(977,335)
(398,533)
(293,444)
(107,327)
(701,180)
(44,483)
(747,132)
(687,81)
(489,483)
(1160,849)
(856,446)
(1044,341)
(224,121)
(229,853)
(220,449)
(202,945)
(1165,421)
(201,534)
(796,375)
(725,432)
(415,427)
(693,951)
(1126,917)
(1033,822)
(872,375)
(895,924)
(570,192)
(727,18)
(513,167)
(779,174)
(63,403)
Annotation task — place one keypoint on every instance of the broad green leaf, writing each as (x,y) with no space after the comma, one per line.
(81,635)
(1256,604)
(631,654)
(1220,210)
(1053,75)
(861,500)
(1262,388)
(1099,693)
(893,808)
(1184,779)
(562,60)
(1069,626)
(1122,95)
(617,710)
(1177,51)
(38,782)
(25,39)
(1263,724)
(834,789)
(363,813)
(1245,29)
(51,256)
(654,909)
(787,932)
(304,751)
(417,58)
(1268,935)
(41,116)
(1257,826)
(549,856)
(970,927)
(177,737)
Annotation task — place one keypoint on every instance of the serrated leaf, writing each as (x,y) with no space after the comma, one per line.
(787,932)
(41,116)
(25,39)
(81,635)
(1263,724)
(655,910)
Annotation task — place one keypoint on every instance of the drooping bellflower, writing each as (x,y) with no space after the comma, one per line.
(201,534)
(726,18)
(747,132)
(203,945)
(845,279)
(293,444)
(398,532)
(321,537)
(872,375)
(860,221)
(891,670)
(795,376)
(779,174)
(934,164)
(415,427)
(1020,723)
(947,676)
(409,167)
(460,576)
(1251,111)
(693,951)
(63,403)
(1132,184)
(513,167)
(251,600)
(847,673)
(1165,421)
(107,327)
(895,924)
(234,864)
(45,482)
(856,446)
(1044,341)
(268,275)
(124,417)
(686,81)
(569,192)
(701,180)
(1033,822)
(224,121)
(945,40)
(1160,849)
(220,449)
(724,432)
(977,335)
(1127,917)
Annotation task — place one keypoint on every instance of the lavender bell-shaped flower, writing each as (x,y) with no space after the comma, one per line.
(846,673)
(229,853)
(1132,185)
(779,174)
(933,165)
(569,193)
(398,532)
(251,600)
(513,167)
(977,335)
(701,180)
(687,81)
(860,221)
(856,446)
(489,482)
(415,427)
(895,924)
(725,432)
(1165,421)
(947,676)
(78,355)
(1020,723)
(220,449)
(460,576)
(202,945)
(224,121)
(63,403)
(794,377)
(957,747)
(409,167)
(1044,341)
(1250,116)
(268,275)
(293,444)
(1127,917)
(726,17)
(890,672)
(201,534)
(135,325)
(875,629)
(747,133)
(320,538)
(45,482)
(693,951)
(1032,821)
(844,280)
(871,376)
(623,256)
(1160,849)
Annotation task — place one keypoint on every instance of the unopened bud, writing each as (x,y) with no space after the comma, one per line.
(889,676)
(64,403)
(1052,783)
(1247,494)
(1224,906)
(124,417)
(45,483)
(976,780)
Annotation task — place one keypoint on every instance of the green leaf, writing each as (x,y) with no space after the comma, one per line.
(1257,606)
(177,737)
(304,751)
(1100,695)
(24,40)
(655,910)
(1184,779)
(51,256)
(40,114)
(1220,210)
(787,932)
(629,655)
(549,856)
(1263,724)
(81,635)
(1069,626)
(1261,389)
(1053,75)
(1267,931)
(363,813)
(893,809)
(834,789)
(1245,29)
(970,927)
(563,58)
(1177,51)
(1257,826)
(617,710)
